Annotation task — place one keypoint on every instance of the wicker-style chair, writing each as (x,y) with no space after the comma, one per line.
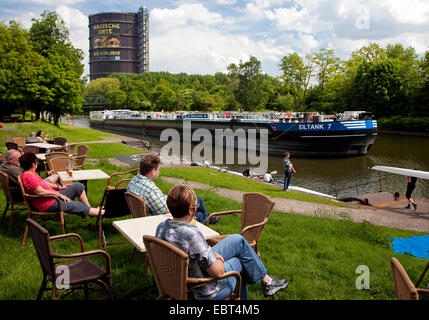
(404,288)
(79,162)
(20,141)
(70,148)
(82,150)
(118,179)
(75,275)
(60,164)
(170,269)
(60,141)
(29,148)
(13,198)
(256,210)
(32,213)
(137,208)
(52,155)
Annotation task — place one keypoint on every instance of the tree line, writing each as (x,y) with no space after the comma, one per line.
(391,81)
(41,72)
(40,69)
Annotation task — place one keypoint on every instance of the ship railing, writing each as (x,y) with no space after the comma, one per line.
(366,182)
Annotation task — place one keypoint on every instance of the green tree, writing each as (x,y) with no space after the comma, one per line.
(296,76)
(380,88)
(20,70)
(116,99)
(49,38)
(101,86)
(250,91)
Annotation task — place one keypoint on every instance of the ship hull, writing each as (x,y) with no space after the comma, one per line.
(307,140)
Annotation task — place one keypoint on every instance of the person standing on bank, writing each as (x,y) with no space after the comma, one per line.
(288,170)
(411,185)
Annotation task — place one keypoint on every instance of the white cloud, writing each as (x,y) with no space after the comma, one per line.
(206,50)
(410,11)
(183,15)
(51,2)
(77,23)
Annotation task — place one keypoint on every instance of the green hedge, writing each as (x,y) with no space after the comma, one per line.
(398,123)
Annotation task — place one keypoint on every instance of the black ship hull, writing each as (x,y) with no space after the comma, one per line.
(302,140)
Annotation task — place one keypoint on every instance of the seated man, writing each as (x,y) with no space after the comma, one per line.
(143,185)
(35,185)
(231,254)
(32,138)
(12,168)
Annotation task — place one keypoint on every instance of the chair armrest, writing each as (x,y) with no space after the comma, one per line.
(423,291)
(254,225)
(120,182)
(67,236)
(120,174)
(222,213)
(198,282)
(30,197)
(87,254)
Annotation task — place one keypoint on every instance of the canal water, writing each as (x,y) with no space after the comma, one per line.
(349,176)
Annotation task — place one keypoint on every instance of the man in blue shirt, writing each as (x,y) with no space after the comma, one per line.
(288,170)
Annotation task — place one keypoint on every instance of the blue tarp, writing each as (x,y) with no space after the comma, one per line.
(417,246)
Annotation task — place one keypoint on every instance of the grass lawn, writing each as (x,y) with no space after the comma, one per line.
(73,134)
(222,180)
(318,256)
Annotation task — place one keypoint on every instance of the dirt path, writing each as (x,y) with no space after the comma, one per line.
(392,217)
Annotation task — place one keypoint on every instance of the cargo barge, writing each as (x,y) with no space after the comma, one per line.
(307,135)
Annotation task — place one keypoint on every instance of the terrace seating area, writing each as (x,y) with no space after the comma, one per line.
(161,256)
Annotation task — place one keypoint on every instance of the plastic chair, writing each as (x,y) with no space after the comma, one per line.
(404,288)
(76,274)
(13,198)
(34,213)
(170,269)
(256,210)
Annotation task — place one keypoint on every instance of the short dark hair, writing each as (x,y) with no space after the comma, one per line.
(39,133)
(180,199)
(27,159)
(148,163)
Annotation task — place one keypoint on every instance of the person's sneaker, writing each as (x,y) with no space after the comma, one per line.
(276,285)
(407,207)
(415,206)
(214,220)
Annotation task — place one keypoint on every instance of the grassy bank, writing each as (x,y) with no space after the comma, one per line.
(318,256)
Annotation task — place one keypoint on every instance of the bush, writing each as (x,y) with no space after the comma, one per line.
(398,123)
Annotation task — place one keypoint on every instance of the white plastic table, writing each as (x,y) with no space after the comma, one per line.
(135,229)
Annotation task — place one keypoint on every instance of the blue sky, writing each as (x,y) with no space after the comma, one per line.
(205,36)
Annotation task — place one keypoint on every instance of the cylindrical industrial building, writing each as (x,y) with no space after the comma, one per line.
(118,43)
